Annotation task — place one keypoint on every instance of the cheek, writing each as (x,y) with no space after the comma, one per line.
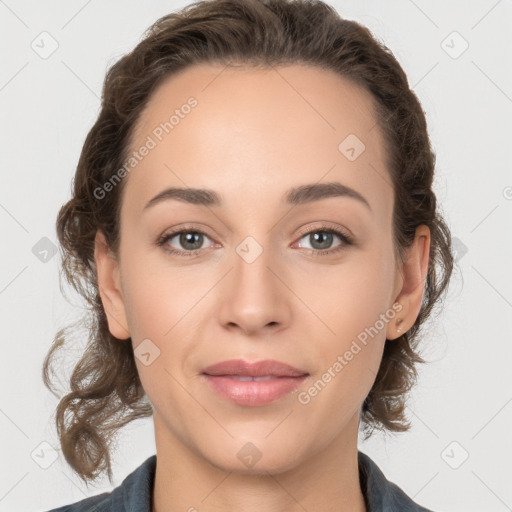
(351,297)
(163,305)
(156,296)
(355,307)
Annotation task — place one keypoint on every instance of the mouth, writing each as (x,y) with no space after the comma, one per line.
(253,384)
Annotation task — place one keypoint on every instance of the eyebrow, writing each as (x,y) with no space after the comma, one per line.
(294,196)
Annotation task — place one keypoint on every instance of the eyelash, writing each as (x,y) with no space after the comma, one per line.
(345,238)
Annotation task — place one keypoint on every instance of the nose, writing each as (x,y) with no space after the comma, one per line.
(254,298)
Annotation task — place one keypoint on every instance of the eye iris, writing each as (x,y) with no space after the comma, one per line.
(191,237)
(323,237)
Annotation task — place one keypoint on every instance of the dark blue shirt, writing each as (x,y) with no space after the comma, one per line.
(135,493)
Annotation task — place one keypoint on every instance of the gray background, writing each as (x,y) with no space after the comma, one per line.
(461,406)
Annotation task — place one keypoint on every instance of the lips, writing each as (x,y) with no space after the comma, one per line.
(253,384)
(240,368)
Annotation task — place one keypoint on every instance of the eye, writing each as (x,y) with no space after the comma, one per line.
(190,240)
(321,239)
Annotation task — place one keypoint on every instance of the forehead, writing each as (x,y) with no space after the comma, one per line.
(254,131)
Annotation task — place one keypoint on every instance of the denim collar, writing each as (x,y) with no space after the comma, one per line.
(379,493)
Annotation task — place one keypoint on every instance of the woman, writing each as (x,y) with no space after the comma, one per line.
(254,226)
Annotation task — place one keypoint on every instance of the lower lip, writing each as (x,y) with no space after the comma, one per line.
(253,393)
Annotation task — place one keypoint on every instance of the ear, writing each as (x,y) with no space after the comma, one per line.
(109,285)
(410,283)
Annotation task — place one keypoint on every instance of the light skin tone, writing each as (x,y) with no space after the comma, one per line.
(254,135)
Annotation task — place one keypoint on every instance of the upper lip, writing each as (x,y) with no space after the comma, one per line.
(256,369)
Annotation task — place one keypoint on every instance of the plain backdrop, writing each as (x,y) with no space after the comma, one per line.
(457,56)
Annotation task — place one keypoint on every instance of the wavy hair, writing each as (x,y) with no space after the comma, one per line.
(105,389)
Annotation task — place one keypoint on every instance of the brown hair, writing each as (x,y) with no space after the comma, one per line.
(106,392)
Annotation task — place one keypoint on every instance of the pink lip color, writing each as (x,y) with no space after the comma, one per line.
(253,393)
(284,379)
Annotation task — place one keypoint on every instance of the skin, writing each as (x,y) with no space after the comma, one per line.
(253,135)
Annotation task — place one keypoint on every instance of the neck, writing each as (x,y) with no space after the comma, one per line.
(326,482)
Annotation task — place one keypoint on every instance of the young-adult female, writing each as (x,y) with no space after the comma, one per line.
(254,226)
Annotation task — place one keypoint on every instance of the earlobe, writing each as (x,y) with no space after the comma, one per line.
(107,270)
(413,273)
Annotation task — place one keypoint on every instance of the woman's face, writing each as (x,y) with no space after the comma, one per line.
(259,275)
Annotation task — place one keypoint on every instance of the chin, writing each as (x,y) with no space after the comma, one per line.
(256,457)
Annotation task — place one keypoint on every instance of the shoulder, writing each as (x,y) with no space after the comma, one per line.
(382,495)
(133,494)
